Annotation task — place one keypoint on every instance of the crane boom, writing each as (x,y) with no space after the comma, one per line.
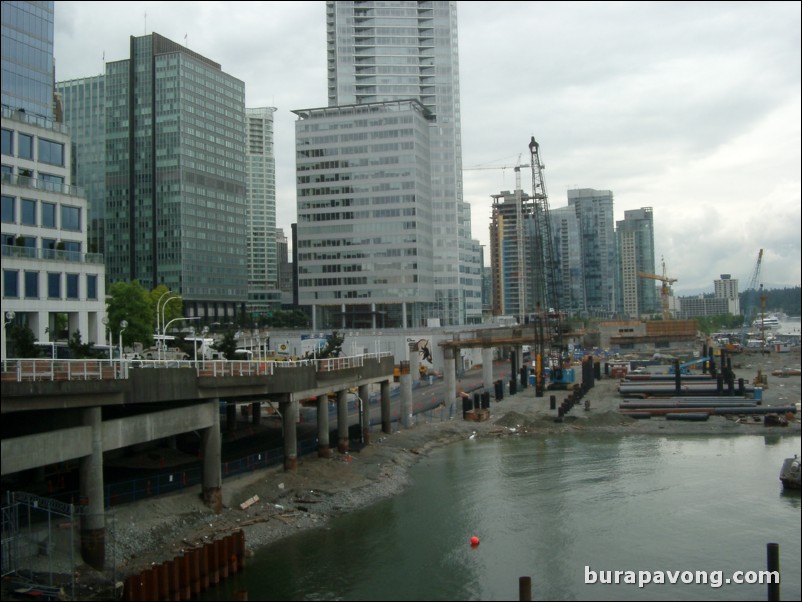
(665,289)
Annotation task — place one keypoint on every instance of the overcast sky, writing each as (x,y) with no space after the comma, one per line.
(691,108)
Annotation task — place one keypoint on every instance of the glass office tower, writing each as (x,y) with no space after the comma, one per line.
(176,206)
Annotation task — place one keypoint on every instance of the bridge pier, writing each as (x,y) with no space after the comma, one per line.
(405,413)
(211,453)
(450,376)
(364,415)
(256,412)
(487,367)
(387,417)
(342,421)
(93,523)
(323,450)
(289,415)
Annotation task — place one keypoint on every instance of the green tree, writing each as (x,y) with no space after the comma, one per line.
(129,301)
(78,349)
(227,345)
(21,342)
(333,347)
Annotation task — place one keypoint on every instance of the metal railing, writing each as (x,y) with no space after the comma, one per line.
(20,370)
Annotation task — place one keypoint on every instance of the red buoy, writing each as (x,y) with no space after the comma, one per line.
(474,541)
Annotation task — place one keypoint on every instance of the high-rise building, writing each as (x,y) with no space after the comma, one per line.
(84,106)
(52,283)
(260,172)
(512,242)
(635,235)
(594,209)
(27,61)
(176,205)
(379,53)
(567,245)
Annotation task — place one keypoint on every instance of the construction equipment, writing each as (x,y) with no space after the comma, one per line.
(545,293)
(752,295)
(665,289)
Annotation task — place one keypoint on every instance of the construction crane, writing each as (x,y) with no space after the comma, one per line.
(751,298)
(665,289)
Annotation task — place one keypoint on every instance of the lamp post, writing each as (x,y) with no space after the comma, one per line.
(158,320)
(105,321)
(123,326)
(163,343)
(9,319)
(194,344)
(178,320)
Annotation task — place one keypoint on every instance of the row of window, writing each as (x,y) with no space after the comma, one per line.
(49,152)
(27,285)
(31,212)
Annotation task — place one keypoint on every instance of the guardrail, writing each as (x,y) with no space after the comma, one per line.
(20,370)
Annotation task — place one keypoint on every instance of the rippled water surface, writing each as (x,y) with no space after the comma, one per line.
(547,508)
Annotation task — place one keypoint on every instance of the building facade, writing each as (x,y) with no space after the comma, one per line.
(264,294)
(176,204)
(594,210)
(364,247)
(51,284)
(27,60)
(380,52)
(635,238)
(84,106)
(567,244)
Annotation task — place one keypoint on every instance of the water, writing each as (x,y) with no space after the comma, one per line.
(547,508)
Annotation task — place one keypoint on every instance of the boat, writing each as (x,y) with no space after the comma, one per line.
(767,322)
(789,474)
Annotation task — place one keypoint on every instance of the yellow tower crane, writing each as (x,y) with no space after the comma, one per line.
(665,289)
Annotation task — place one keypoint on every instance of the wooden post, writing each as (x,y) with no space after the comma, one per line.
(525,589)
(773,564)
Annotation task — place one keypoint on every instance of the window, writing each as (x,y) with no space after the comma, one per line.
(70,218)
(31,285)
(11,283)
(8,209)
(49,248)
(54,285)
(51,182)
(8,142)
(51,152)
(72,286)
(28,212)
(25,143)
(48,215)
(91,286)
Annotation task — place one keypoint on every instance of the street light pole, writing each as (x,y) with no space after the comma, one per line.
(178,320)
(158,321)
(123,326)
(105,321)
(162,343)
(9,319)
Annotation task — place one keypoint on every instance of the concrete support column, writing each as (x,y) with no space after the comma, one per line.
(364,416)
(93,523)
(450,378)
(323,450)
(256,412)
(342,421)
(289,416)
(211,452)
(414,361)
(405,382)
(404,315)
(387,417)
(487,367)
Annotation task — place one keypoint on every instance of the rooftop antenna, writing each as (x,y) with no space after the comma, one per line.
(185,39)
(146,22)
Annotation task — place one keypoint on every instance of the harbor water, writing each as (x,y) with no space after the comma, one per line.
(564,510)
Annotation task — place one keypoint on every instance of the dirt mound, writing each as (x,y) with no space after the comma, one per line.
(608,419)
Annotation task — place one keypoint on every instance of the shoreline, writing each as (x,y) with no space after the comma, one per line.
(142,534)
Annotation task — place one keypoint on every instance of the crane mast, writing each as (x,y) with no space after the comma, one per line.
(545,299)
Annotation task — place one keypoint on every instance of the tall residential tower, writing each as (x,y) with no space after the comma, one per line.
(380,53)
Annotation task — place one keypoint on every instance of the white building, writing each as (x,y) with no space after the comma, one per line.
(50,283)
